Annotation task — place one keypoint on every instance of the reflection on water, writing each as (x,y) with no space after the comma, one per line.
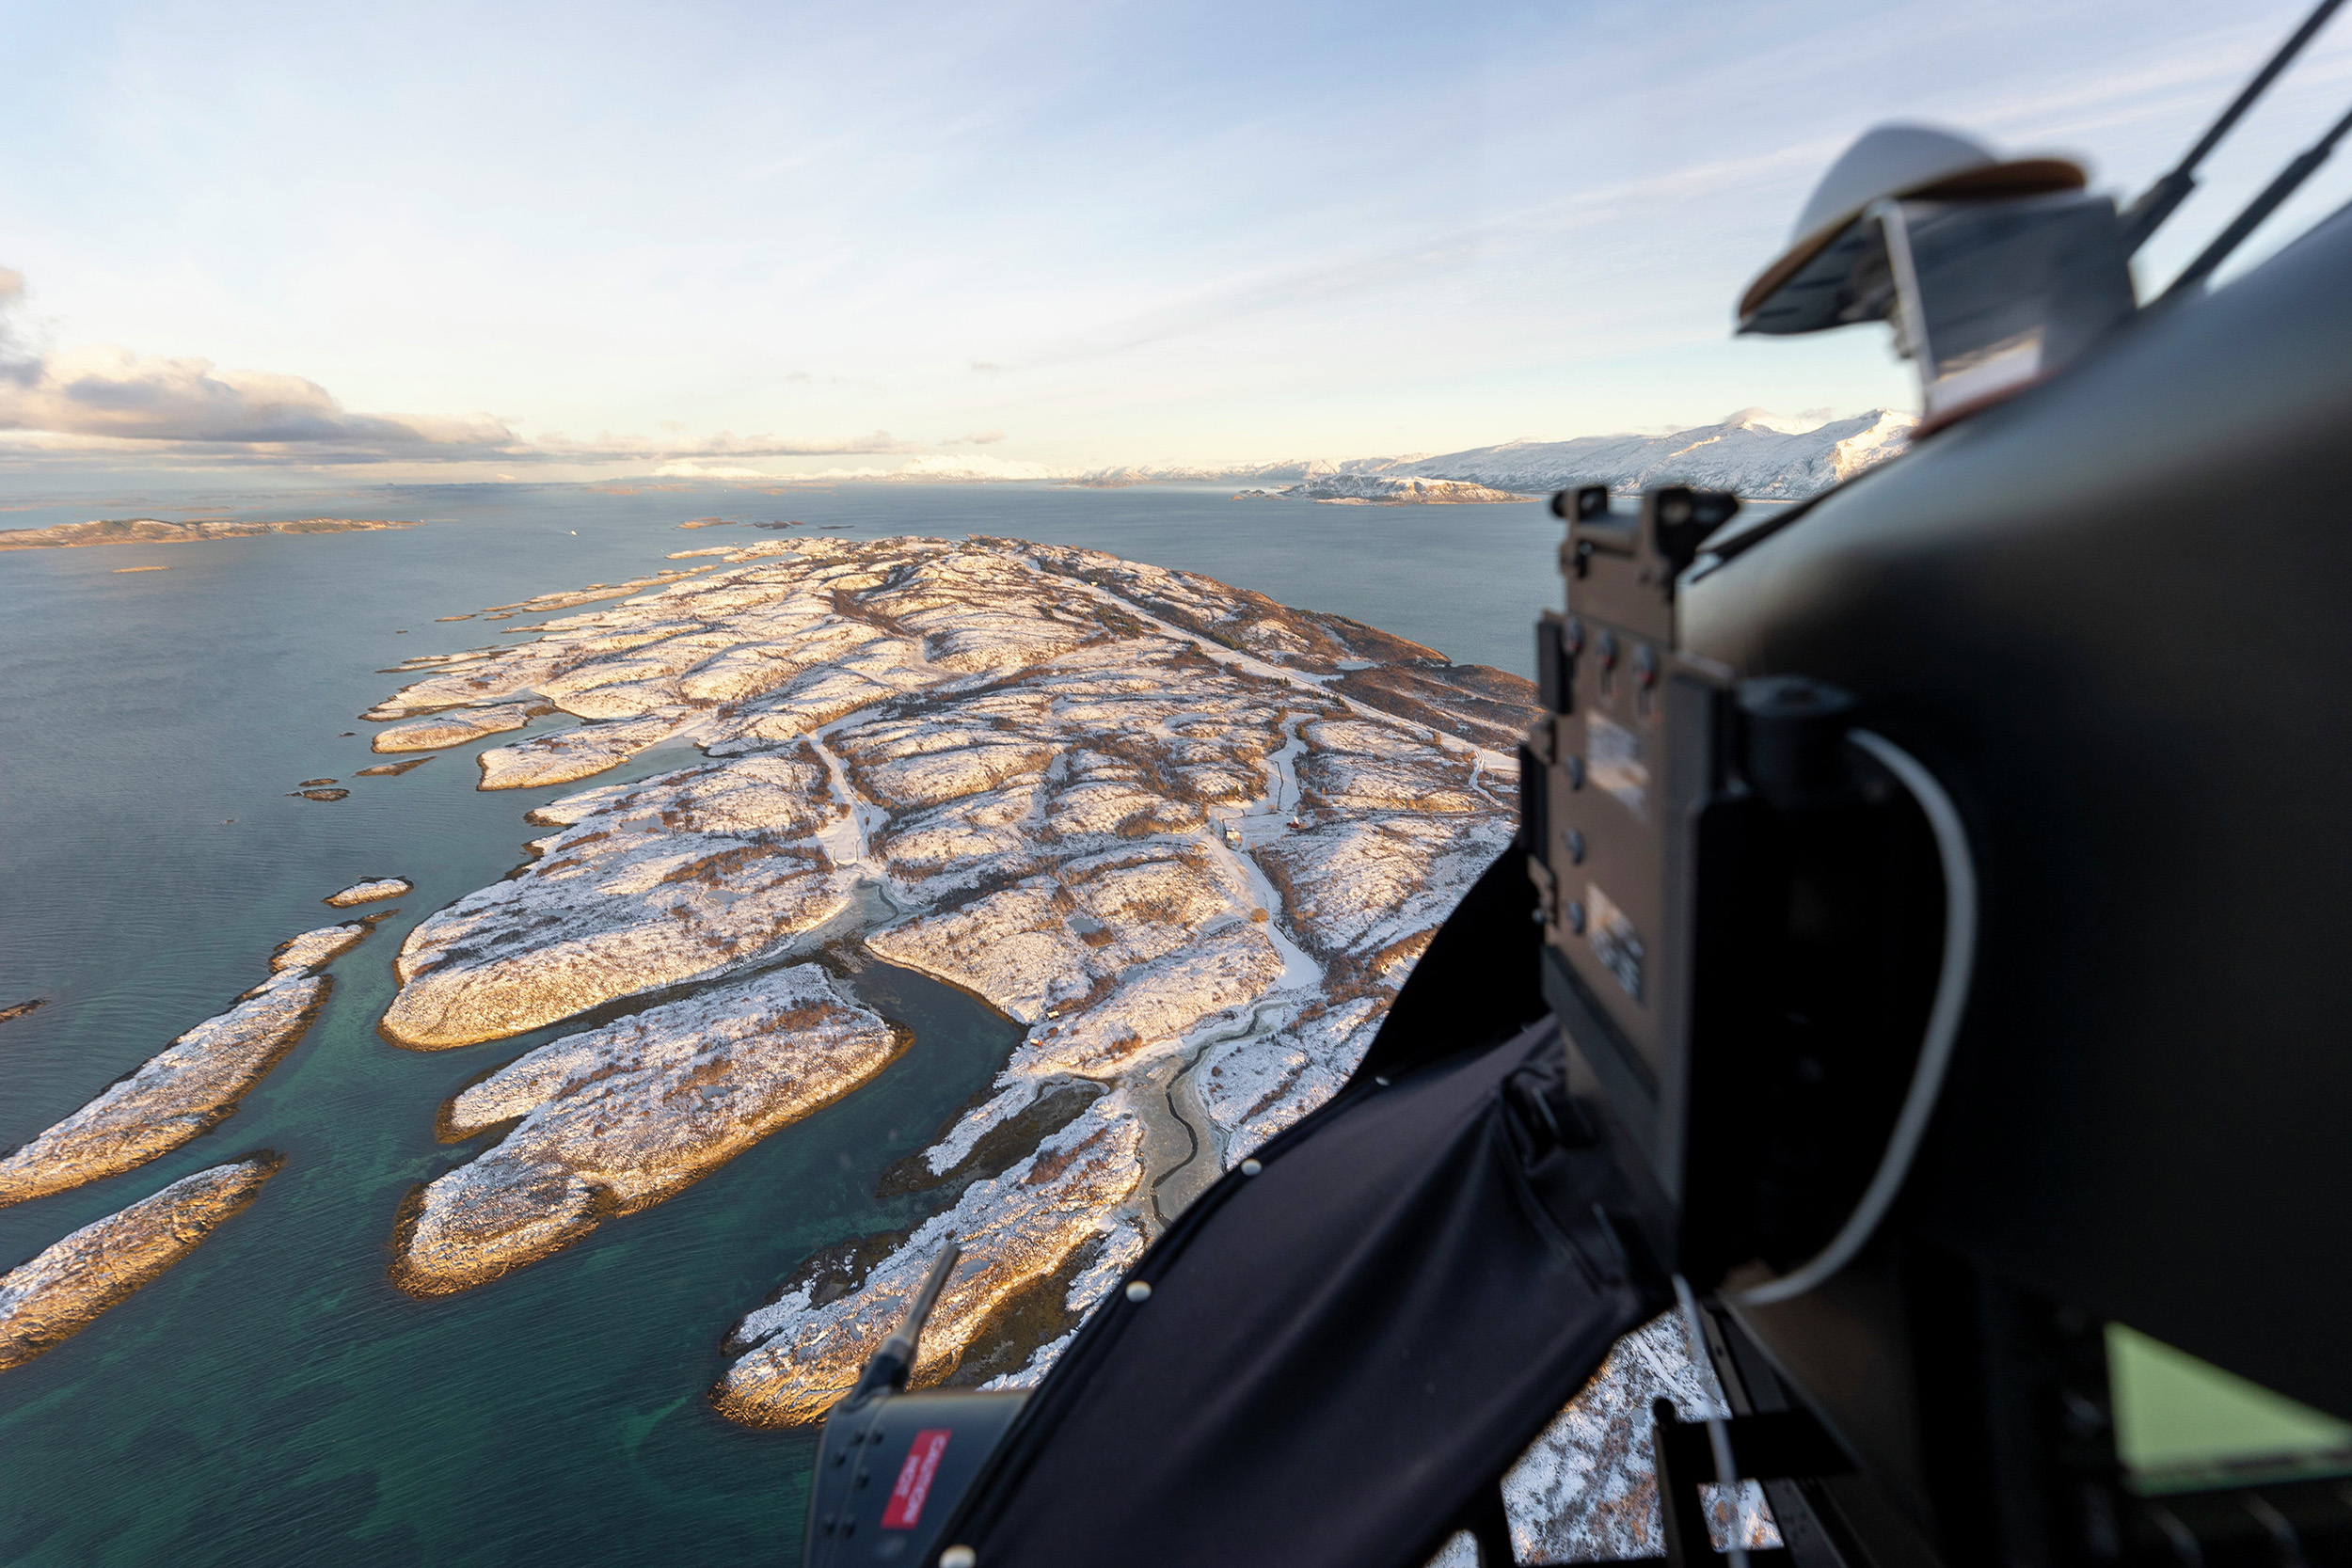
(274,1399)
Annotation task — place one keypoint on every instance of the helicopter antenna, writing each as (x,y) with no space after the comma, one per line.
(2259,209)
(2156,204)
(889,1367)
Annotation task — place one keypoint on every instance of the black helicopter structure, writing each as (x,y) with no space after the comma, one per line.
(1925,946)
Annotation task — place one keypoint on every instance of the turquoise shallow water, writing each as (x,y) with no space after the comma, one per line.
(273,1400)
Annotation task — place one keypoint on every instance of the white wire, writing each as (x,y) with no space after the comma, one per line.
(1718,1434)
(1936,1051)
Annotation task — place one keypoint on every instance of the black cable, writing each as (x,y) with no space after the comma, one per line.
(2260,208)
(2157,203)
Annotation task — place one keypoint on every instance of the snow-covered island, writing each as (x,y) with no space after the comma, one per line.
(53,1297)
(616,1119)
(1189,839)
(188,1088)
(157,530)
(194,1084)
(373,891)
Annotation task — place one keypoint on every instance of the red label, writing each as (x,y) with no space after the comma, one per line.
(914,1479)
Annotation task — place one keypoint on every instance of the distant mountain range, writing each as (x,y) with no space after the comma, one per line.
(1384,490)
(1752,453)
(1758,455)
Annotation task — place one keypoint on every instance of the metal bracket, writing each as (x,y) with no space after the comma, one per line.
(1780,1444)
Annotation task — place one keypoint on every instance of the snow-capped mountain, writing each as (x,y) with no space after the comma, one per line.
(1751,453)
(1389,490)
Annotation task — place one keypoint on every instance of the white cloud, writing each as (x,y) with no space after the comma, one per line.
(978,467)
(696,471)
(106,399)
(19,362)
(107,392)
(985,437)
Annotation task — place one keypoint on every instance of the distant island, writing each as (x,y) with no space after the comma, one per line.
(155,530)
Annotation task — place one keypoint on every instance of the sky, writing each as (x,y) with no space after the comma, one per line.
(588,240)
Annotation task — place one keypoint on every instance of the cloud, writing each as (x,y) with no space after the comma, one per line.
(696,471)
(101,397)
(106,393)
(725,444)
(19,362)
(982,438)
(988,367)
(802,376)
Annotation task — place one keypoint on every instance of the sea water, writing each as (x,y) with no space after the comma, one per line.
(273,1399)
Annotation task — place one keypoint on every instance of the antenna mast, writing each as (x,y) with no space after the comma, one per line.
(2157,202)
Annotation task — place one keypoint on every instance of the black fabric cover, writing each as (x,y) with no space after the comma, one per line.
(1339,1355)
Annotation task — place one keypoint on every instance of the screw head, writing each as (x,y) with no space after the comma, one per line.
(1138,1290)
(1608,649)
(1575,842)
(1576,918)
(1572,636)
(958,1557)
(1250,1167)
(1576,772)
